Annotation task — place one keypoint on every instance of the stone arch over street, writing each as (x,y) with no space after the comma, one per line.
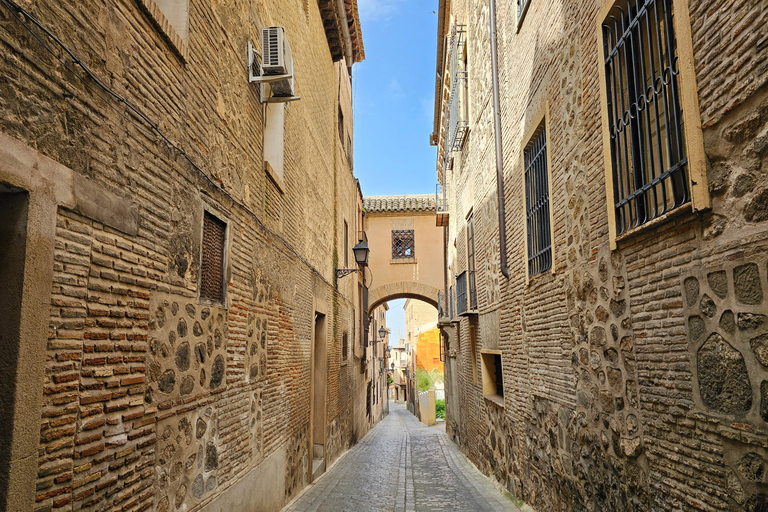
(402,290)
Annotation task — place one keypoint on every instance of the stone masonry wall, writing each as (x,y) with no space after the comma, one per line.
(634,378)
(156,399)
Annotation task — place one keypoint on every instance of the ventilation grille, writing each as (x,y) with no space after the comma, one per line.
(212,266)
(270,38)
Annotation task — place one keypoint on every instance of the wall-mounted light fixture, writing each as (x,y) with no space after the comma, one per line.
(361,251)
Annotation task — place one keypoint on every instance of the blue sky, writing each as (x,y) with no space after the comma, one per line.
(394,93)
(394,97)
(396,320)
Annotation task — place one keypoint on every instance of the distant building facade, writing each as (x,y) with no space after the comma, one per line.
(607,249)
(422,334)
(176,337)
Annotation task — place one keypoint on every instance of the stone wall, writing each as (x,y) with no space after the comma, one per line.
(633,378)
(146,396)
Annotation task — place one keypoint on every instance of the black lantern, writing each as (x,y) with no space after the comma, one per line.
(382,332)
(361,251)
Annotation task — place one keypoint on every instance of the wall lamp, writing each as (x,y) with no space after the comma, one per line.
(361,251)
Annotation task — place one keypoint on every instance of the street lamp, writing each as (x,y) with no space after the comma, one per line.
(361,251)
(382,332)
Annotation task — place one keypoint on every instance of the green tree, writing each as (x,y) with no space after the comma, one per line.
(423,380)
(440,409)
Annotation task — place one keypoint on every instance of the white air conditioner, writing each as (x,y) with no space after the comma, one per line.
(272,71)
(277,60)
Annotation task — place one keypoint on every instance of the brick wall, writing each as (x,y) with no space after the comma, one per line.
(612,374)
(154,398)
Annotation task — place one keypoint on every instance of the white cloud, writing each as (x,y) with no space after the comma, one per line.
(378,10)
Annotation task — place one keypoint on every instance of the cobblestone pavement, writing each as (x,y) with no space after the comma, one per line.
(403,465)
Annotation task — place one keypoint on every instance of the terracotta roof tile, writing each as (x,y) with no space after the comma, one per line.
(404,203)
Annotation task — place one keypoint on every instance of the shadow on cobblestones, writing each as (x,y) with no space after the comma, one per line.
(403,465)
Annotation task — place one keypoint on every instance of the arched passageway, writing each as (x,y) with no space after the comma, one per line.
(406,258)
(402,290)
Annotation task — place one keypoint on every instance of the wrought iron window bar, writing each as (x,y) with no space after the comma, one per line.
(466,294)
(537,203)
(461,293)
(403,244)
(456,125)
(647,139)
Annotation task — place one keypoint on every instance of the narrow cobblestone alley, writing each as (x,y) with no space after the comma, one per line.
(403,465)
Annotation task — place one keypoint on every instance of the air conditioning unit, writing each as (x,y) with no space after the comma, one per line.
(277,60)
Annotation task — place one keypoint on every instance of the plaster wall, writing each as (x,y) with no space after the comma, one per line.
(425,268)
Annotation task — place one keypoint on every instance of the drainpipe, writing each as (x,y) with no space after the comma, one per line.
(341,12)
(497,134)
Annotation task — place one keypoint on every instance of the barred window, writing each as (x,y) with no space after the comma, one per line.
(403,244)
(471,262)
(344,346)
(537,203)
(645,122)
(212,261)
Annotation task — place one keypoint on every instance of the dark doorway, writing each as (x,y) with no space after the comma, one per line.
(319,379)
(13,242)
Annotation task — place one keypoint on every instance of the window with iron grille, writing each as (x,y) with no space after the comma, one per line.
(472,288)
(648,154)
(344,346)
(402,244)
(212,264)
(461,293)
(537,203)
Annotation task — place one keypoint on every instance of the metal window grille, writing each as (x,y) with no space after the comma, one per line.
(450,303)
(457,123)
(403,244)
(648,153)
(461,293)
(344,346)
(537,203)
(521,5)
(212,265)
(471,263)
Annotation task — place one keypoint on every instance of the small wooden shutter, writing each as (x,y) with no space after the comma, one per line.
(212,265)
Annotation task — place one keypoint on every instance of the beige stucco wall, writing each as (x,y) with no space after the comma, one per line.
(426,268)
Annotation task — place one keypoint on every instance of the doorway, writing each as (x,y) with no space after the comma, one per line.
(13,238)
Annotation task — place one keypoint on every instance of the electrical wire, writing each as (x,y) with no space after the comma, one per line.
(20,15)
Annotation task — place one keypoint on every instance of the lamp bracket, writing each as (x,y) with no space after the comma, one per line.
(343,272)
